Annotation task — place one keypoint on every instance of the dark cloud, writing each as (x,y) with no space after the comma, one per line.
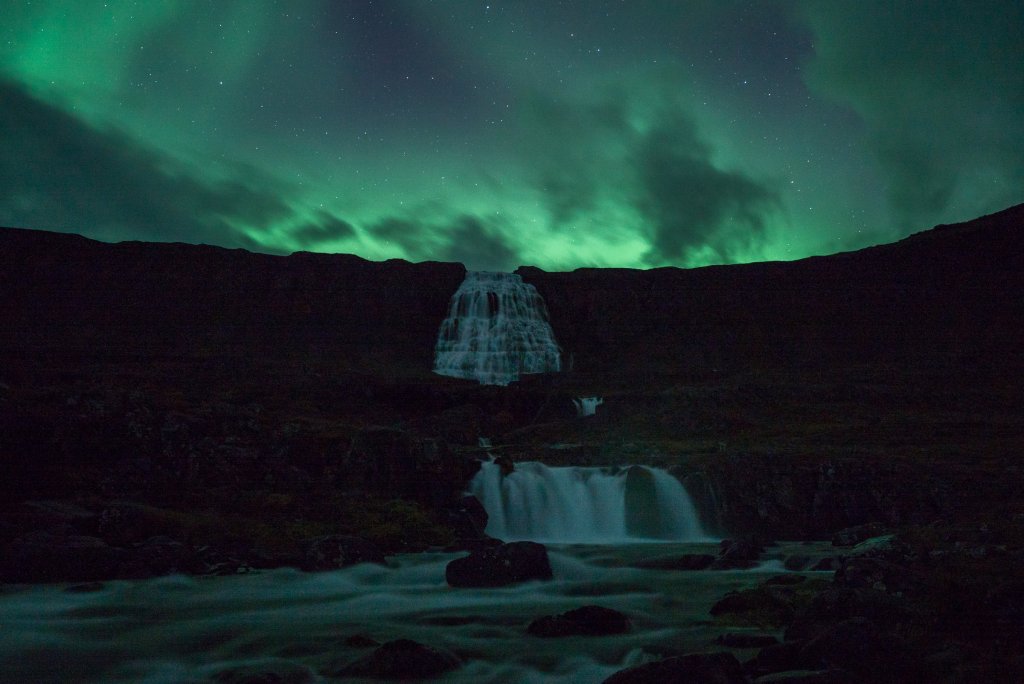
(62,174)
(574,151)
(640,146)
(326,228)
(479,246)
(690,203)
(940,87)
(467,239)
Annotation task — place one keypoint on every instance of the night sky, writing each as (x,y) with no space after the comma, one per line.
(555,133)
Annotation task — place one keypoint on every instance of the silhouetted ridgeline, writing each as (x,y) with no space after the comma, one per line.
(65,294)
(948,295)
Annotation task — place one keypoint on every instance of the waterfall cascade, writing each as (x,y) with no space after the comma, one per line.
(585,505)
(587,406)
(496,330)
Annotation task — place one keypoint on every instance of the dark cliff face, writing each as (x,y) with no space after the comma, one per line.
(68,296)
(276,364)
(948,295)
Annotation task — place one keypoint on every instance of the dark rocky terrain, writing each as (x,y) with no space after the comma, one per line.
(173,407)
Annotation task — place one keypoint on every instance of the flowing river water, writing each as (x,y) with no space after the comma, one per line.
(179,629)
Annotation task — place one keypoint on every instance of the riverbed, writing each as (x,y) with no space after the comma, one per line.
(179,629)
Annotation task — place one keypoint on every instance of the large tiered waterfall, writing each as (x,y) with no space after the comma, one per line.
(496,330)
(585,505)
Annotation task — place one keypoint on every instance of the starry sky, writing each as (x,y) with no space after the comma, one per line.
(560,134)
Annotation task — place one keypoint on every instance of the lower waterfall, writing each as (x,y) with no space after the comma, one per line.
(585,505)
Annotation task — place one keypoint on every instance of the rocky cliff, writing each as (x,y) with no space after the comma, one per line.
(795,398)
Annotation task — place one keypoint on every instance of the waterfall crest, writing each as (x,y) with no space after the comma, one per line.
(585,505)
(496,330)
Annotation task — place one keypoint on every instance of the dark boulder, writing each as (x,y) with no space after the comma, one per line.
(698,668)
(759,606)
(500,565)
(785,580)
(339,551)
(467,518)
(775,658)
(830,564)
(860,646)
(506,464)
(585,621)
(361,641)
(809,677)
(400,659)
(267,673)
(877,573)
(837,604)
(737,554)
(745,640)
(796,563)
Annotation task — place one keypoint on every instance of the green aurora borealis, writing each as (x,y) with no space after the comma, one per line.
(558,134)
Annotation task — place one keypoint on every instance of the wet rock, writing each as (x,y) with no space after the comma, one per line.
(500,565)
(585,621)
(220,561)
(837,604)
(467,518)
(361,641)
(809,677)
(867,571)
(830,564)
(400,659)
(785,580)
(473,545)
(775,658)
(745,640)
(267,673)
(506,464)
(737,554)
(45,557)
(754,606)
(688,561)
(796,563)
(860,646)
(698,668)
(339,551)
(851,536)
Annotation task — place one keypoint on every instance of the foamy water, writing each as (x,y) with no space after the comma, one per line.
(179,629)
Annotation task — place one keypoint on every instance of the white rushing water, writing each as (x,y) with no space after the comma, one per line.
(585,505)
(587,406)
(176,630)
(496,330)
